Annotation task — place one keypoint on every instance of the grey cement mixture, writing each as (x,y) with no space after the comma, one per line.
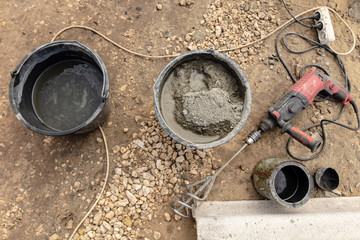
(207,97)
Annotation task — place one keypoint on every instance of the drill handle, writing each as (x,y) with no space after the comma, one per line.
(337,91)
(302,137)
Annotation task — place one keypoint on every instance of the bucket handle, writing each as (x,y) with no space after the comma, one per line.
(104,93)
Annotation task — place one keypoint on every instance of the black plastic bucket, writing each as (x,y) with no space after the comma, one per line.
(60,88)
(287,182)
(163,98)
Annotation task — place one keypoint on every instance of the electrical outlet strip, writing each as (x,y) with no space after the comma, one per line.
(326,35)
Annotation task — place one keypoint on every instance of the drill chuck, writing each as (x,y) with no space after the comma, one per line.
(254,136)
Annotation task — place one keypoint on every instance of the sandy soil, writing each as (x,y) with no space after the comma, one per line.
(38,172)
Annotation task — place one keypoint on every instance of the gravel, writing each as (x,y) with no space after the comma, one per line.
(228,24)
(143,182)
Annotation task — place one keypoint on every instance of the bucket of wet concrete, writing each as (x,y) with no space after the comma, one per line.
(202,99)
(286,182)
(60,88)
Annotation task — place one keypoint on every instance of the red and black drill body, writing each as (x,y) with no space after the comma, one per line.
(297,98)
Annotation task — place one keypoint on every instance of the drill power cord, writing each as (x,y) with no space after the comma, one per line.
(220,50)
(295,18)
(347,85)
(103,188)
(322,125)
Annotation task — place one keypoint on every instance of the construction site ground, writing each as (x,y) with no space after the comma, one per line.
(47,184)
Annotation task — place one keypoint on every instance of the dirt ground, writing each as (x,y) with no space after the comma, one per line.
(38,172)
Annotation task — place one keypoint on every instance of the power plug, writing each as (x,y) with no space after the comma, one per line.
(326,33)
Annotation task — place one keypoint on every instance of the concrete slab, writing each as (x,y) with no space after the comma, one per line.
(320,218)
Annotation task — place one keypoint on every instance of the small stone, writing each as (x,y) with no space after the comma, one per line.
(192,47)
(118,171)
(218,31)
(116,149)
(180,159)
(137,119)
(97,218)
(337,192)
(54,237)
(155,138)
(113,198)
(139,143)
(125,156)
(271,62)
(128,222)
(159,165)
(119,211)
(173,180)
(244,49)
(131,197)
(77,185)
(107,226)
(146,175)
(147,183)
(182,2)
(201,153)
(167,217)
(125,130)
(99,140)
(18,215)
(159,6)
(123,149)
(134,174)
(110,215)
(357,185)
(261,15)
(164,191)
(122,203)
(154,153)
(157,235)
(146,191)
(69,224)
(91,234)
(114,190)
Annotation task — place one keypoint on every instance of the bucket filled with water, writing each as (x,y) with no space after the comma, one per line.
(60,88)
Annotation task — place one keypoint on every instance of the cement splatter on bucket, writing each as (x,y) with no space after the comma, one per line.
(286,182)
(202,99)
(60,88)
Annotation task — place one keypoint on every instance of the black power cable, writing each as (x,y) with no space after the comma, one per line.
(317,17)
(347,84)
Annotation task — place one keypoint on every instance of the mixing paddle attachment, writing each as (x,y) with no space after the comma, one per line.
(188,199)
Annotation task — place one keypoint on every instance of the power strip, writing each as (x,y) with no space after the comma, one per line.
(326,34)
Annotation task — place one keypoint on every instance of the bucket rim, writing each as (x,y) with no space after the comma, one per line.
(105,88)
(275,171)
(239,74)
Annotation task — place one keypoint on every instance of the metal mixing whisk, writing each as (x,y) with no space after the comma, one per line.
(188,199)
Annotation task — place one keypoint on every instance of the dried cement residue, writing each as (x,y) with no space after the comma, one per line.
(207,97)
